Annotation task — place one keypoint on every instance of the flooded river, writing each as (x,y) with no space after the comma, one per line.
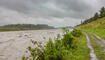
(13,44)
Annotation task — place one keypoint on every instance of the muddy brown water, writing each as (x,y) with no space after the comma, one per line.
(13,44)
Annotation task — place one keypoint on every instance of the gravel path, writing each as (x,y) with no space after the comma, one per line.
(13,44)
(92,53)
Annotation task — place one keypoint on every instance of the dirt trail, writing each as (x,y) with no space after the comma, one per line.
(13,44)
(92,53)
(98,40)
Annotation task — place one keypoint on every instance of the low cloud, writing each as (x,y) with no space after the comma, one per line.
(52,12)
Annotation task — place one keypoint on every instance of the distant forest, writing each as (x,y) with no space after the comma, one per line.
(15,27)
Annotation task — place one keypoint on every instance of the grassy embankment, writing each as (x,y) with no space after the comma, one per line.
(99,50)
(81,52)
(96,27)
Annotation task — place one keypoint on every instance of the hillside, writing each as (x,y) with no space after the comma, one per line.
(99,23)
(16,27)
(97,27)
(95,32)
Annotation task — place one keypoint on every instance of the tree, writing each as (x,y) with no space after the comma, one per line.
(81,22)
(102,12)
(96,16)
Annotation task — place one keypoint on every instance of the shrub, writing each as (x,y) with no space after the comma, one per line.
(23,58)
(54,50)
(67,40)
(36,53)
(76,33)
(50,50)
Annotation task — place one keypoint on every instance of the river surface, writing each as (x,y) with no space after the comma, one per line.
(13,44)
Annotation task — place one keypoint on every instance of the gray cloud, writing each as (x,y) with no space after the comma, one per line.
(54,12)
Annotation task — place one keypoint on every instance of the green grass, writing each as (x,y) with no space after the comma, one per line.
(98,31)
(98,49)
(81,52)
(97,27)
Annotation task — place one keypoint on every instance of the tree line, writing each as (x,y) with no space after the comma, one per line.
(96,16)
(15,27)
(28,26)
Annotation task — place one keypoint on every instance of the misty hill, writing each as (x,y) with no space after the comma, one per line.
(69,27)
(15,27)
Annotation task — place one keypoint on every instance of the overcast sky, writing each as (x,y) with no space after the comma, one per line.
(52,12)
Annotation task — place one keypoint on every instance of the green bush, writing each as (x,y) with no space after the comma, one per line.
(76,33)
(50,51)
(54,51)
(35,53)
(67,40)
